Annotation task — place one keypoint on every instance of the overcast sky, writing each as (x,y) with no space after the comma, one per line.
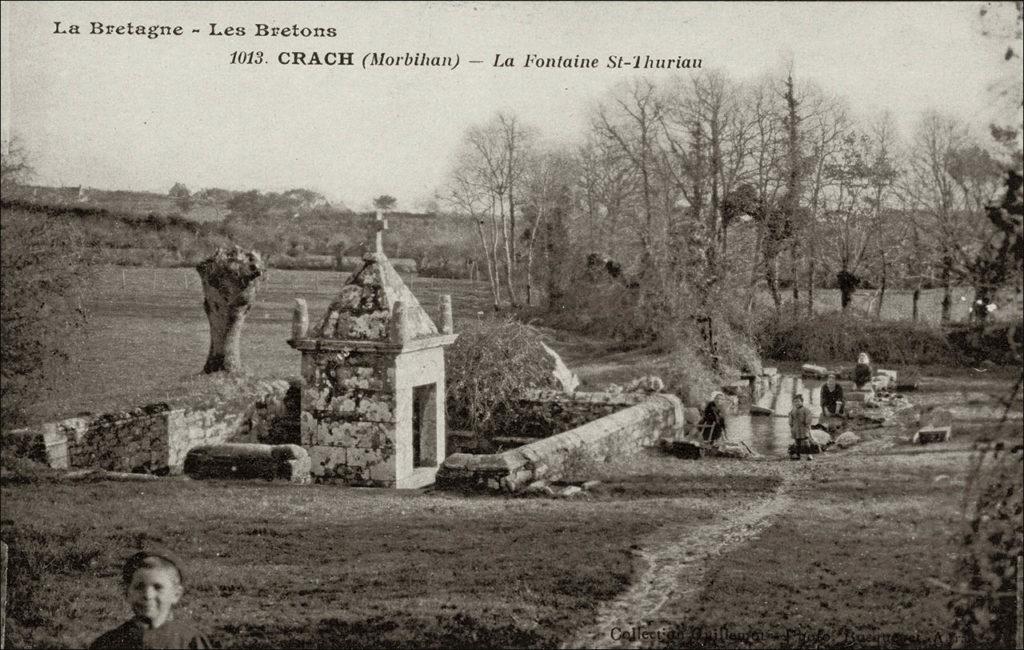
(129,112)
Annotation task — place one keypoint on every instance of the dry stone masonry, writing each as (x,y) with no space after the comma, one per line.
(618,435)
(373,381)
(156,438)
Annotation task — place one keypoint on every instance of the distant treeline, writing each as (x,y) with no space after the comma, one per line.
(442,245)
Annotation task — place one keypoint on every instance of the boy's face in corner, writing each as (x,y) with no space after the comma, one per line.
(152,593)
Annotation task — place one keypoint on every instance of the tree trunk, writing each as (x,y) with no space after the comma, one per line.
(947,288)
(947,301)
(845,297)
(493,282)
(771,275)
(881,290)
(509,265)
(793,278)
(810,286)
(230,281)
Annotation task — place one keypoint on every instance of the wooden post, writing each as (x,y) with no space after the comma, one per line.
(3,593)
(1020,601)
(124,280)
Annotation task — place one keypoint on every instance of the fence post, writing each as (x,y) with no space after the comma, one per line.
(316,282)
(3,593)
(124,280)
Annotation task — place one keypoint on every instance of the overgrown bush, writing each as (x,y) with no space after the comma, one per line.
(984,603)
(998,342)
(840,335)
(488,369)
(43,267)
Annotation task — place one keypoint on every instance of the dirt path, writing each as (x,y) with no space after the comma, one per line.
(676,561)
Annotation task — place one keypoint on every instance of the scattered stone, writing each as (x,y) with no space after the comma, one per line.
(692,415)
(570,491)
(891,374)
(240,460)
(645,384)
(858,395)
(847,439)
(812,371)
(932,434)
(821,438)
(540,488)
(590,485)
(940,478)
(733,450)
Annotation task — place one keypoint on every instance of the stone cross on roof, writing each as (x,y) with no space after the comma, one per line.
(379,226)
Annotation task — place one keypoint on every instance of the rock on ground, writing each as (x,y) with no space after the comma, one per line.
(847,439)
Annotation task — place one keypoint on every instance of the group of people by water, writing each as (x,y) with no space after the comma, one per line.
(833,411)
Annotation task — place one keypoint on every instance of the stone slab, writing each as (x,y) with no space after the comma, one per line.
(933,434)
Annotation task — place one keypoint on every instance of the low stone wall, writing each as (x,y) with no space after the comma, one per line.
(154,438)
(619,434)
(543,410)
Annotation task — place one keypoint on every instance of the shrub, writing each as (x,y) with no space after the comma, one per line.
(984,604)
(43,267)
(488,368)
(999,342)
(840,335)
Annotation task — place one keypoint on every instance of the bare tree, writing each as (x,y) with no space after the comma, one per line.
(492,161)
(467,192)
(14,165)
(826,123)
(856,202)
(945,184)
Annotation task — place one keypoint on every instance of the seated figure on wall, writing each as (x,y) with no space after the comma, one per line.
(713,421)
(833,404)
(862,371)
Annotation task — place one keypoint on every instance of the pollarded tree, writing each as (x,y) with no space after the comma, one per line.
(230,280)
(385,202)
(182,197)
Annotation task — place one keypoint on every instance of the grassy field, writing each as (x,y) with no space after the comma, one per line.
(148,335)
(851,559)
(274,565)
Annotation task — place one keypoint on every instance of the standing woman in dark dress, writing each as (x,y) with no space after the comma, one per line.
(714,418)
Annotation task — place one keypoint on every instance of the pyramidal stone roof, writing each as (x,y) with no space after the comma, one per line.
(363,309)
